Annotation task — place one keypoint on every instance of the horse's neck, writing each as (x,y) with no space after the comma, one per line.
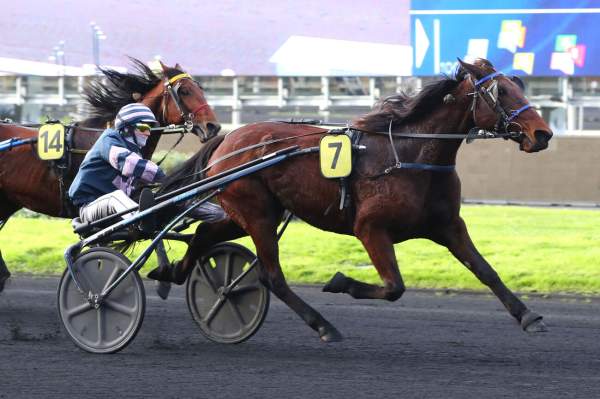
(84,139)
(444,120)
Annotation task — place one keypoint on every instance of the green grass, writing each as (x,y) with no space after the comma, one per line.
(532,249)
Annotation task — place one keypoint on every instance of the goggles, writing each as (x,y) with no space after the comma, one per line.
(143,127)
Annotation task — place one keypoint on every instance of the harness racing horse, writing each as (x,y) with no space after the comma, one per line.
(28,182)
(403,186)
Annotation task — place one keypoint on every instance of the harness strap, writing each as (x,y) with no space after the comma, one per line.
(253,146)
(516,112)
(171,149)
(200,108)
(178,77)
(345,190)
(487,77)
(415,166)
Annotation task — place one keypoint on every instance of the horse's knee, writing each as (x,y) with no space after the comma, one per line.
(394,293)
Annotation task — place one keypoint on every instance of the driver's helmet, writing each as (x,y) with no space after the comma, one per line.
(134,113)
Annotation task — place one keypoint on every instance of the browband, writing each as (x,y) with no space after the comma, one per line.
(178,77)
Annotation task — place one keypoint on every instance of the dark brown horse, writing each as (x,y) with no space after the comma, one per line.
(28,182)
(387,208)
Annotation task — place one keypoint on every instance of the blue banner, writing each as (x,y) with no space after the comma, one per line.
(524,37)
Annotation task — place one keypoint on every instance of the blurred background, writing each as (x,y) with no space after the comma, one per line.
(330,60)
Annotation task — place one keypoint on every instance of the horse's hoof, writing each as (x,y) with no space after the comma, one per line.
(330,334)
(336,284)
(532,322)
(162,289)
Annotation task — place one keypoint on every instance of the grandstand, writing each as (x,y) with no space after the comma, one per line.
(312,59)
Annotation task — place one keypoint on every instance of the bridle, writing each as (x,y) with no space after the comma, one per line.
(172,87)
(489,94)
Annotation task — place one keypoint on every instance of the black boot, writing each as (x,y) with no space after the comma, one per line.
(170,273)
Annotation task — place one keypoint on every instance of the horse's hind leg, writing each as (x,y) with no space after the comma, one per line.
(456,238)
(264,237)
(381,251)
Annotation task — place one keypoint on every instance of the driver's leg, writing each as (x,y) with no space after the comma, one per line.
(108,204)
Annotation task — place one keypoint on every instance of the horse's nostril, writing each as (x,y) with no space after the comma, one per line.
(542,136)
(213,128)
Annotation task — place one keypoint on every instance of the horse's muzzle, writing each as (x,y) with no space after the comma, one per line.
(208,132)
(542,138)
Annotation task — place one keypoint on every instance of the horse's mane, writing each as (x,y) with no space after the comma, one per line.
(106,98)
(403,108)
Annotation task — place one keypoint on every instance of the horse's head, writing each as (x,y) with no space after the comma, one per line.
(183,101)
(499,104)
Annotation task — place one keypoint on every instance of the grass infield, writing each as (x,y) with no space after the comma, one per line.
(532,249)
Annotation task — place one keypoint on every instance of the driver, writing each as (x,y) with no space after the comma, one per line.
(114,164)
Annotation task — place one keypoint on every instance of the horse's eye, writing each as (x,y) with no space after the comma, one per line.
(184,91)
(501,91)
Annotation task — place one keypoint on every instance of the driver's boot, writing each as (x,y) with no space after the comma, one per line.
(168,273)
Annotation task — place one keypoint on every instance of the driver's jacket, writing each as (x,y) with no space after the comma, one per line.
(113,163)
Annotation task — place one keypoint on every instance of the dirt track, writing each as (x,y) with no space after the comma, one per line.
(426,345)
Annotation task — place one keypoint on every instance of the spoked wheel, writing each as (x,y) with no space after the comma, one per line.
(114,324)
(227,314)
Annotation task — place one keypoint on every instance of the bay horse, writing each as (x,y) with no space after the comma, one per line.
(391,201)
(28,182)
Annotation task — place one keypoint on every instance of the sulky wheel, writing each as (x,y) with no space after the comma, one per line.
(119,316)
(227,315)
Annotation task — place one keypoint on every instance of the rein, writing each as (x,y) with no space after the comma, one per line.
(244,149)
(473,134)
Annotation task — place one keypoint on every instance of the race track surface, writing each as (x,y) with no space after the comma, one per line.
(426,345)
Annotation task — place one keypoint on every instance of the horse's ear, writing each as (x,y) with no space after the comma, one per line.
(163,66)
(471,69)
(177,66)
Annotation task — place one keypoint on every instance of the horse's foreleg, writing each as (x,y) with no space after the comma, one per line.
(456,238)
(264,237)
(7,210)
(380,248)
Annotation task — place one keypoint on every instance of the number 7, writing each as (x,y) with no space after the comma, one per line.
(338,148)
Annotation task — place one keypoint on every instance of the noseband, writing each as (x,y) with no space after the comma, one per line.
(172,87)
(490,95)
